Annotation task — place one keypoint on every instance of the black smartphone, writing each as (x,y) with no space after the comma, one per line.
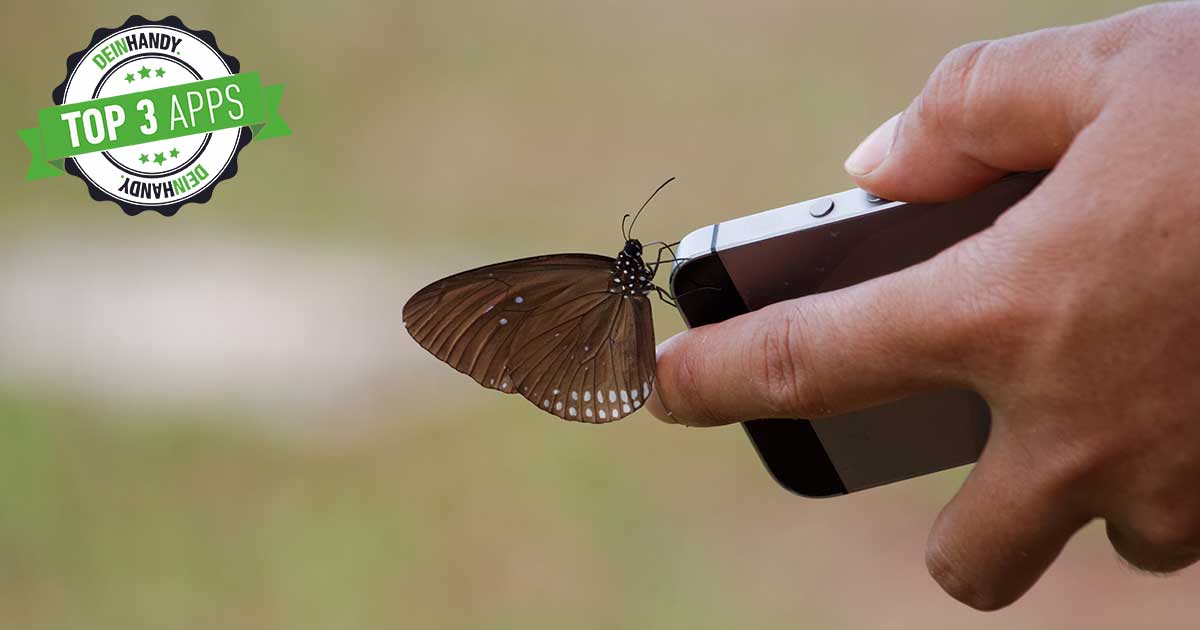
(742,265)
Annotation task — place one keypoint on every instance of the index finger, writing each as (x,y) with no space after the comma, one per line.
(835,352)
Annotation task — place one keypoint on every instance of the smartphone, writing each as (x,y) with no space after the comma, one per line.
(739,266)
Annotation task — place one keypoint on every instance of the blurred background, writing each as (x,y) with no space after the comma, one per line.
(217,420)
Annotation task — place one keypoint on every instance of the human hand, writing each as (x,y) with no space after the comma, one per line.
(1077,315)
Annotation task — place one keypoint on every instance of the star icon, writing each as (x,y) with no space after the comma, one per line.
(174,152)
(144,72)
(129,77)
(159,159)
(160,72)
(145,158)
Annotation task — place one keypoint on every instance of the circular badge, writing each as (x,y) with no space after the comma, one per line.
(167,107)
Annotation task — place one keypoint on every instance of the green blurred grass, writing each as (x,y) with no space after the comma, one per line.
(483,517)
(128,522)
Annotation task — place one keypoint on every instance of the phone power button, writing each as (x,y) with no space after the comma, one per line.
(821,207)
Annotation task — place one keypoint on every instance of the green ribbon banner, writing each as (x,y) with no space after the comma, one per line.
(162,114)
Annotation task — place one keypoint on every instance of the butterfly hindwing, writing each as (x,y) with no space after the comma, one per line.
(555,329)
(595,368)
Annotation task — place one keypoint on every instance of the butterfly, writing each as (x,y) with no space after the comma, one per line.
(571,333)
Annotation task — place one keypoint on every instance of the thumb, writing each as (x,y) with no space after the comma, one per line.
(985,113)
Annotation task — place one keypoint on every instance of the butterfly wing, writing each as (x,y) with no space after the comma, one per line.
(557,330)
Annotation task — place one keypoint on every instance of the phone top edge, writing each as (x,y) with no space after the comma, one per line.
(819,211)
(697,243)
(782,220)
(799,216)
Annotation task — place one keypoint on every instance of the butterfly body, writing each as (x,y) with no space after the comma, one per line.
(571,333)
(631,274)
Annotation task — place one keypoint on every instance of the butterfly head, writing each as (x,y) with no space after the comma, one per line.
(633,248)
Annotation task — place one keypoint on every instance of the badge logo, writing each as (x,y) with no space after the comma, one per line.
(152,115)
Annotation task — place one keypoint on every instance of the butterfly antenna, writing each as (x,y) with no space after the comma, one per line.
(639,212)
(624,234)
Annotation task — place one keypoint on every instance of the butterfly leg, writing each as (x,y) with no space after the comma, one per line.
(673,299)
(663,244)
(666,297)
(695,290)
(653,267)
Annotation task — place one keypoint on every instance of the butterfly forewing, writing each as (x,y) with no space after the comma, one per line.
(554,329)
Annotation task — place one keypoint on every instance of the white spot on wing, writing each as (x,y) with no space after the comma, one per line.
(587,396)
(571,411)
(558,406)
(636,404)
(556,392)
(519,299)
(546,404)
(588,412)
(574,395)
(624,395)
(635,393)
(614,413)
(602,416)
(503,321)
(612,396)
(646,389)
(625,408)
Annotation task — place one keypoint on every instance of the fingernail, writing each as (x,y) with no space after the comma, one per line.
(874,150)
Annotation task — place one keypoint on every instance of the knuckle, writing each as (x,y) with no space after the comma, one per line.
(689,373)
(999,314)
(1143,24)
(942,562)
(1169,527)
(1106,45)
(780,367)
(1150,37)
(947,100)
(1110,37)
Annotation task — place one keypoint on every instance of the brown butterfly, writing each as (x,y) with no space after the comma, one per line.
(572,333)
